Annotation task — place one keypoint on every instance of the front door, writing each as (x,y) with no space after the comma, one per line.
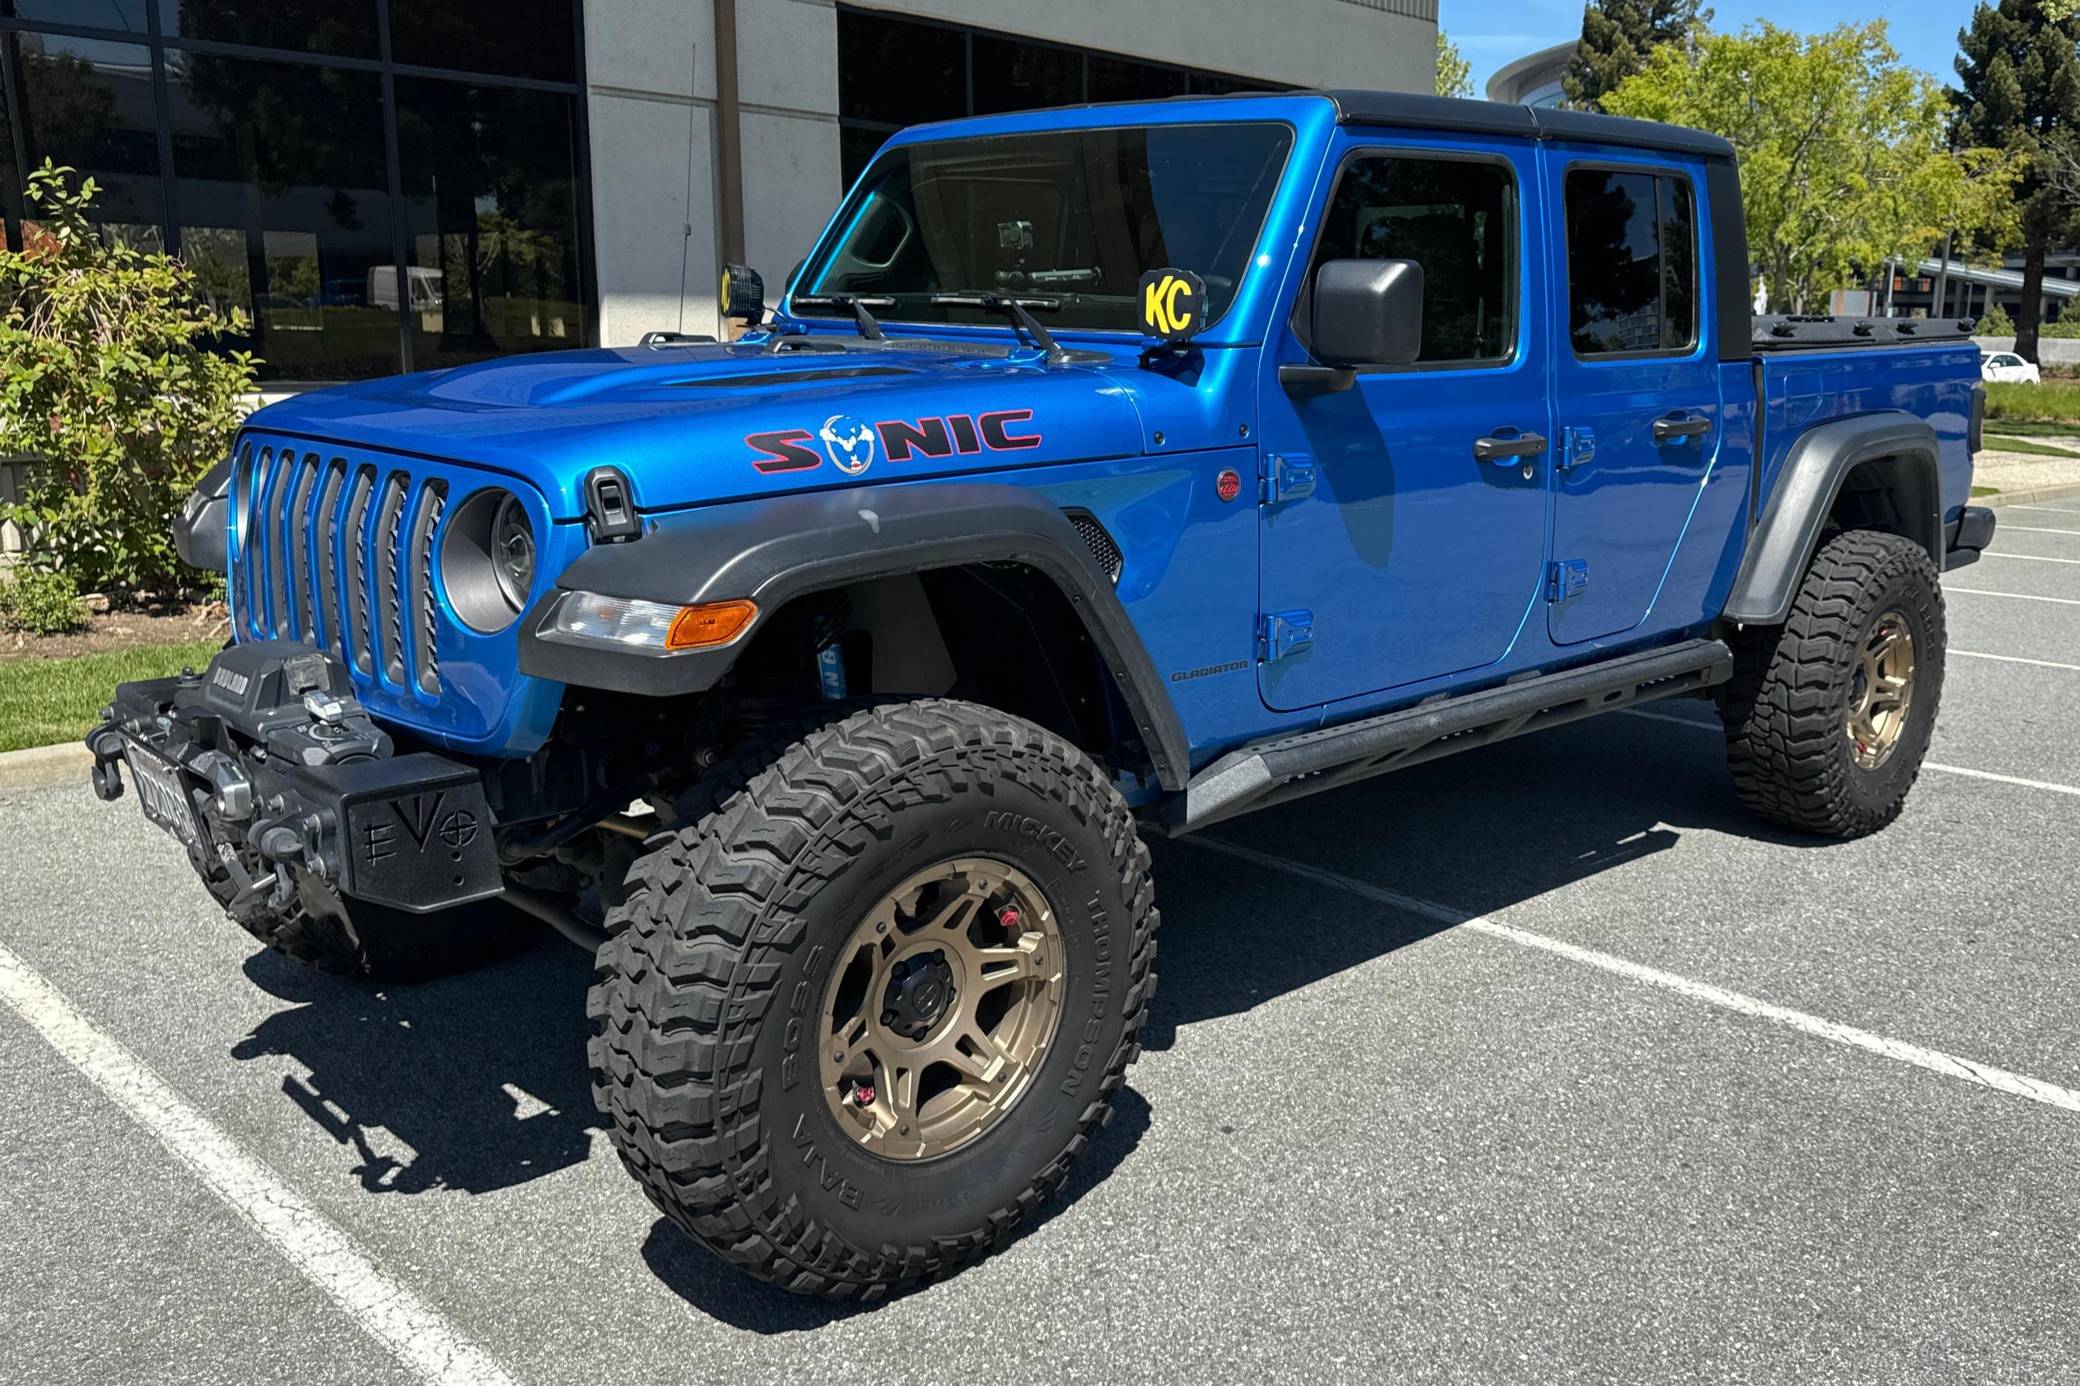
(1636,385)
(1397,545)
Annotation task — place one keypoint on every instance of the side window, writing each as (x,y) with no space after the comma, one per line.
(1457,218)
(1631,262)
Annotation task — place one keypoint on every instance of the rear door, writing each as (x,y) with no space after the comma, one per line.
(1637,389)
(1392,551)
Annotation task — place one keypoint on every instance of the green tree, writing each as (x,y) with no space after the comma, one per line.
(1617,37)
(107,381)
(1454,73)
(1845,153)
(2018,69)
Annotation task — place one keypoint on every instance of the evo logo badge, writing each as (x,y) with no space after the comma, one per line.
(850,444)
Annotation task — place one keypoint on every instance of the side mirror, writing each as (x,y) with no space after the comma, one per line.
(743,294)
(1368,312)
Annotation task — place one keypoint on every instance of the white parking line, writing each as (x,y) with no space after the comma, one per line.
(2036,529)
(1694,725)
(2027,557)
(2015,659)
(428,1345)
(1935,1060)
(2017,596)
(2054,509)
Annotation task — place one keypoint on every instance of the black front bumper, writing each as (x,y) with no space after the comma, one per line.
(266,770)
(1970,534)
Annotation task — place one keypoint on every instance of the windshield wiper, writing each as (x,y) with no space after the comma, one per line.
(1015,309)
(857,306)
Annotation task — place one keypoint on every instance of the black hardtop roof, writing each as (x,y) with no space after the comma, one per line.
(1529,122)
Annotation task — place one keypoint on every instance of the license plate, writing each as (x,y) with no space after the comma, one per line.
(161,792)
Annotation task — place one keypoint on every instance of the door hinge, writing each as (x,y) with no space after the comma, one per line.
(1577,447)
(1288,477)
(1282,633)
(1567,579)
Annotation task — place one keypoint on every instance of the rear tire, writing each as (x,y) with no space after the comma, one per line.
(1809,745)
(724,987)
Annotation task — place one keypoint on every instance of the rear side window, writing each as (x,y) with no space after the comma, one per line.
(1457,219)
(1631,262)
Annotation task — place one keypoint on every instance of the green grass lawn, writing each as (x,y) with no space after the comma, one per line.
(2000,442)
(43,701)
(2053,402)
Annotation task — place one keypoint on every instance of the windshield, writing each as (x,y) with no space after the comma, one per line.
(1067,221)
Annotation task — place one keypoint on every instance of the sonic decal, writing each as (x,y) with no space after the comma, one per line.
(850,444)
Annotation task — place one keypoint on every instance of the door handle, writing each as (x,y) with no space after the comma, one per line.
(1681,426)
(1501,449)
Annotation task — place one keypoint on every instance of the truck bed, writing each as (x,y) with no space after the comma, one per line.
(1812,370)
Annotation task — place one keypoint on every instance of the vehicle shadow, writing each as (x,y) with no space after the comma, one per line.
(478,1082)
(474,1083)
(1475,833)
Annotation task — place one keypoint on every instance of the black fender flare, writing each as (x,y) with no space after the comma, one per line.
(772,550)
(1807,486)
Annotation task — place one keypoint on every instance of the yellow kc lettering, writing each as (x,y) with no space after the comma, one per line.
(1160,308)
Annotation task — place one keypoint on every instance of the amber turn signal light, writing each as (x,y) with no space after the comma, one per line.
(702,627)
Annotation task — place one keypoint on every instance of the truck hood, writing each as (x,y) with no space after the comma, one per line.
(693,424)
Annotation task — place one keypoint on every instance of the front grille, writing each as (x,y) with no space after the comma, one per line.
(339,554)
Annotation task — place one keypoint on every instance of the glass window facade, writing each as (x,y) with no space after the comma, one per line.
(896,72)
(368,212)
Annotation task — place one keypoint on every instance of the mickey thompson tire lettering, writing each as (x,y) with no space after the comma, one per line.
(707,1006)
(1785,708)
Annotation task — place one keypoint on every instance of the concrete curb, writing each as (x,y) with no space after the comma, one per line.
(40,767)
(2041,493)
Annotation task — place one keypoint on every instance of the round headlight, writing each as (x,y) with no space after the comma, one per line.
(487,560)
(512,550)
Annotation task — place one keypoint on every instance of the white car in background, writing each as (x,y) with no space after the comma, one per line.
(2006,365)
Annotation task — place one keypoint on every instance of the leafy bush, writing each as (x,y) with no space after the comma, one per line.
(107,381)
(42,603)
(1996,323)
(2064,327)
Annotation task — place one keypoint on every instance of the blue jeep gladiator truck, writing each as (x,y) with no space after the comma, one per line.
(1101,472)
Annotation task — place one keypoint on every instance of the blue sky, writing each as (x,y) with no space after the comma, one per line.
(1493,32)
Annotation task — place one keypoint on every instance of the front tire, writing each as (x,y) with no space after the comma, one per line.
(1828,716)
(780,965)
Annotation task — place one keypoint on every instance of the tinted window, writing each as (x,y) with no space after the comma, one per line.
(1122,79)
(1015,76)
(491,211)
(898,73)
(894,73)
(1454,217)
(312,26)
(96,14)
(89,104)
(1631,262)
(1071,216)
(518,38)
(285,208)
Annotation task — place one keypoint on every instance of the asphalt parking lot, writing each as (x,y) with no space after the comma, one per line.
(1544,1063)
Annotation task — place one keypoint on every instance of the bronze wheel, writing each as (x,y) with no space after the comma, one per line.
(941,1009)
(929,915)
(1881,690)
(1828,715)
